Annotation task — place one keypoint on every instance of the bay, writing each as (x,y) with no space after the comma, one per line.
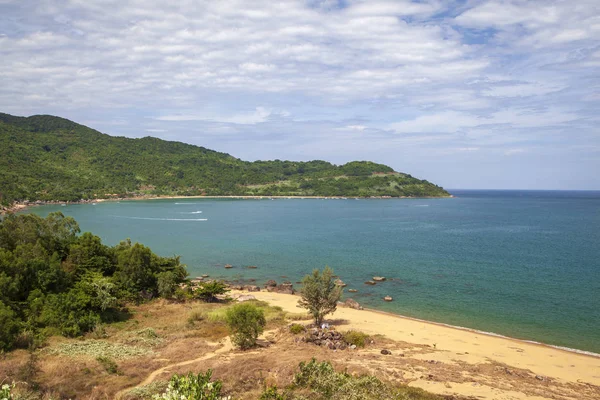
(523,264)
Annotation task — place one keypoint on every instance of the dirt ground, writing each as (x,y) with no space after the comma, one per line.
(164,338)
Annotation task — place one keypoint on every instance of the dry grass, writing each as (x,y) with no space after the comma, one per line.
(177,332)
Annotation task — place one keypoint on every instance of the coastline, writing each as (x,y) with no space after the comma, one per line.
(21,206)
(454,344)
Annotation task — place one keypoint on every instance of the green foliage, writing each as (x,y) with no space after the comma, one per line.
(271,393)
(192,387)
(108,364)
(208,291)
(356,338)
(319,294)
(6,391)
(325,383)
(167,284)
(245,322)
(49,158)
(297,328)
(52,280)
(9,327)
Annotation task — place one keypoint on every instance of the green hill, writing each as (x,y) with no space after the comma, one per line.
(43,157)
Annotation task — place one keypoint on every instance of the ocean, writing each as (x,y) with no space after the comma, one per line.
(524,264)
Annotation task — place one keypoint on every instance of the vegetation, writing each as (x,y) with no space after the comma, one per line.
(192,387)
(246,322)
(54,281)
(325,383)
(319,294)
(50,158)
(356,338)
(208,291)
(297,328)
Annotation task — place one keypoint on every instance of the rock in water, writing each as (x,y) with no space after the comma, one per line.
(370,283)
(388,298)
(379,278)
(228,266)
(352,290)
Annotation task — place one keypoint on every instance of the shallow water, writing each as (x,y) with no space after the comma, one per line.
(517,263)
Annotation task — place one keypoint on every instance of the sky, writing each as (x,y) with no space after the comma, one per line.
(467,94)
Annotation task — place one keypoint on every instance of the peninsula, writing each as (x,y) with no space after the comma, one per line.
(47,158)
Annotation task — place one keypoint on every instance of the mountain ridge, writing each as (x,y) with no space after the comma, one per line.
(44,157)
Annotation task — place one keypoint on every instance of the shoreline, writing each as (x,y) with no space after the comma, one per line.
(22,206)
(448,342)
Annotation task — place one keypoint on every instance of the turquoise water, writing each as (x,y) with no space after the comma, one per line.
(521,264)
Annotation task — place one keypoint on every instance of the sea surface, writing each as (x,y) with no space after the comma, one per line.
(524,264)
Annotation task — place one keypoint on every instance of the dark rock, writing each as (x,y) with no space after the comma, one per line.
(252,288)
(386,352)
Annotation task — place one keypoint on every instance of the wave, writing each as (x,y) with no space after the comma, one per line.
(180,204)
(196,212)
(162,219)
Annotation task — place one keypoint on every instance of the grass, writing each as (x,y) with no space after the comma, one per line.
(146,392)
(99,348)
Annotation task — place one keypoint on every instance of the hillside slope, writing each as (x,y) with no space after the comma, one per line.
(44,157)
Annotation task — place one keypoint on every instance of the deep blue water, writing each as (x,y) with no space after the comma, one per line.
(520,263)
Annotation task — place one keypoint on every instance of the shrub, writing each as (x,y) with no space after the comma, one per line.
(6,391)
(271,393)
(245,322)
(319,294)
(9,327)
(166,284)
(297,328)
(190,386)
(208,291)
(356,338)
(108,364)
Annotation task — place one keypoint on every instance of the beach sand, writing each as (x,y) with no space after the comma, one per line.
(457,346)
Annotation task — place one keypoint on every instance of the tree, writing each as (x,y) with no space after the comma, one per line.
(208,291)
(319,294)
(246,322)
(9,327)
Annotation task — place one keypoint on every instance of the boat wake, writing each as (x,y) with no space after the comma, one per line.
(163,219)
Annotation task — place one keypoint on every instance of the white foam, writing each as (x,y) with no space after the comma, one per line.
(196,212)
(179,204)
(163,219)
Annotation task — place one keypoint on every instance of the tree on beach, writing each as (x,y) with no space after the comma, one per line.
(319,294)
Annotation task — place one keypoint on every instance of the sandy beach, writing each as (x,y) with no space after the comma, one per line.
(451,345)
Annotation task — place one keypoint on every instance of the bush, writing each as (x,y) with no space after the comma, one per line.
(193,387)
(166,284)
(271,393)
(319,294)
(355,338)
(245,322)
(297,328)
(208,291)
(108,364)
(9,327)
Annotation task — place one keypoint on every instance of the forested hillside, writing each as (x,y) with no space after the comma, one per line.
(44,157)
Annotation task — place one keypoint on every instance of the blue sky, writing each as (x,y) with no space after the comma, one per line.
(467,94)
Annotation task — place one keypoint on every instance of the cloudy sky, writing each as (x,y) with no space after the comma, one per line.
(467,94)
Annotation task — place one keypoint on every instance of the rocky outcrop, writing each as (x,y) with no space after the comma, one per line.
(251,288)
(285,288)
(351,303)
(324,337)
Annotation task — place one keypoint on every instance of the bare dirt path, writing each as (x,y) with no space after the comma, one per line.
(225,347)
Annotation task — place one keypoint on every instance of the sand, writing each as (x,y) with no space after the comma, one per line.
(452,345)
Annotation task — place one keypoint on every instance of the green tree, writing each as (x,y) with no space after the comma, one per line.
(167,284)
(208,291)
(9,327)
(246,322)
(319,294)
